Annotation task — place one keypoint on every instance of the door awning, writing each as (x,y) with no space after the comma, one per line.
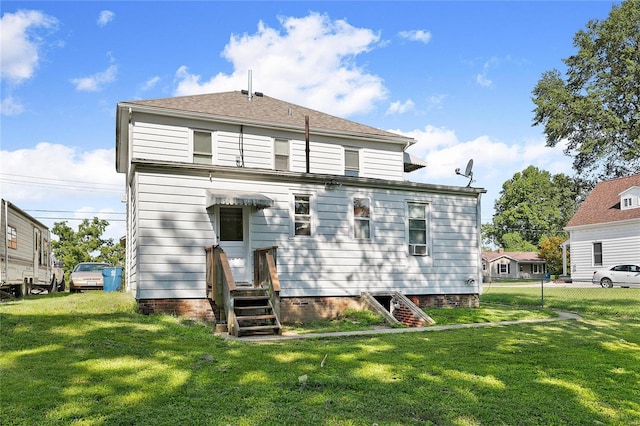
(412,163)
(224,197)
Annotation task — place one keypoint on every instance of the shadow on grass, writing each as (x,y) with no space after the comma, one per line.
(123,368)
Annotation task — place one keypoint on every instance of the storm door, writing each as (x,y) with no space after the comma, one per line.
(233,238)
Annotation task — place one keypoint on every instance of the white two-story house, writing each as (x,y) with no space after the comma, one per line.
(244,171)
(605,230)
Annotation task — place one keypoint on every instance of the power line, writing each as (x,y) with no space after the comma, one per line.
(59,180)
(73,211)
(75,218)
(64,184)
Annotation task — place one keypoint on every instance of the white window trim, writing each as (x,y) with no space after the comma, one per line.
(353,219)
(506,268)
(273,153)
(312,214)
(593,254)
(214,144)
(344,159)
(427,206)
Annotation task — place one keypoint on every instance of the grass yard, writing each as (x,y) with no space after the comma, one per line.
(89,359)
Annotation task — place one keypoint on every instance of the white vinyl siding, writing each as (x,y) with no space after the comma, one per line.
(620,245)
(382,164)
(161,142)
(173,227)
(171,140)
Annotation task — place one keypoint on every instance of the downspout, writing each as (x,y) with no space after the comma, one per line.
(5,275)
(306,140)
(479,222)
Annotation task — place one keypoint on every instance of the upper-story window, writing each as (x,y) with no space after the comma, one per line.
(302,215)
(418,241)
(281,154)
(202,147)
(351,162)
(361,218)
(628,202)
(12,237)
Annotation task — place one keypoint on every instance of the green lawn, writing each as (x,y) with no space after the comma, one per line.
(89,359)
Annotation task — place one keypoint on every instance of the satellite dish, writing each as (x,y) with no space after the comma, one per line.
(468,172)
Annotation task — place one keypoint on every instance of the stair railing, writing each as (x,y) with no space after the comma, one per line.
(265,273)
(221,285)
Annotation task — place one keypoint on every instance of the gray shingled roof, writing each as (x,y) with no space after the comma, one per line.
(520,256)
(267,110)
(602,205)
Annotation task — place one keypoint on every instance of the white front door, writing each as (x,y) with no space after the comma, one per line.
(233,238)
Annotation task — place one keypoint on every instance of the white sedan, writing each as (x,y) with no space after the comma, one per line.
(622,275)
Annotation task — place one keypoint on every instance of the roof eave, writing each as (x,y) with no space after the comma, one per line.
(400,140)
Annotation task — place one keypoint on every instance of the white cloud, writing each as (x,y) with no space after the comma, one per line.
(435,101)
(105,17)
(57,177)
(399,107)
(494,161)
(20,43)
(309,61)
(422,36)
(150,84)
(11,106)
(96,82)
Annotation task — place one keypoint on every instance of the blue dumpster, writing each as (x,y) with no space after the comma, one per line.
(112,278)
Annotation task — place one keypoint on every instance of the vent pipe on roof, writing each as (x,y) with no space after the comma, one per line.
(249,95)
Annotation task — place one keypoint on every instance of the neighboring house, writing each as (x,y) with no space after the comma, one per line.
(246,171)
(605,230)
(499,265)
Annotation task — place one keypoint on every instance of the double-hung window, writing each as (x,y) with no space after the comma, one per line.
(361,218)
(418,242)
(302,213)
(281,154)
(351,162)
(12,237)
(597,254)
(503,268)
(202,147)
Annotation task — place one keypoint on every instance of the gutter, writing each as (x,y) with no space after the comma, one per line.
(204,170)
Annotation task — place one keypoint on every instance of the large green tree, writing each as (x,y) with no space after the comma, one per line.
(86,244)
(532,204)
(595,108)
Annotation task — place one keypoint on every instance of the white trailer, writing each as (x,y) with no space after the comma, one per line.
(26,261)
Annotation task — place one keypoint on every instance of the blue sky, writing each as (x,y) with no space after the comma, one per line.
(456,76)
